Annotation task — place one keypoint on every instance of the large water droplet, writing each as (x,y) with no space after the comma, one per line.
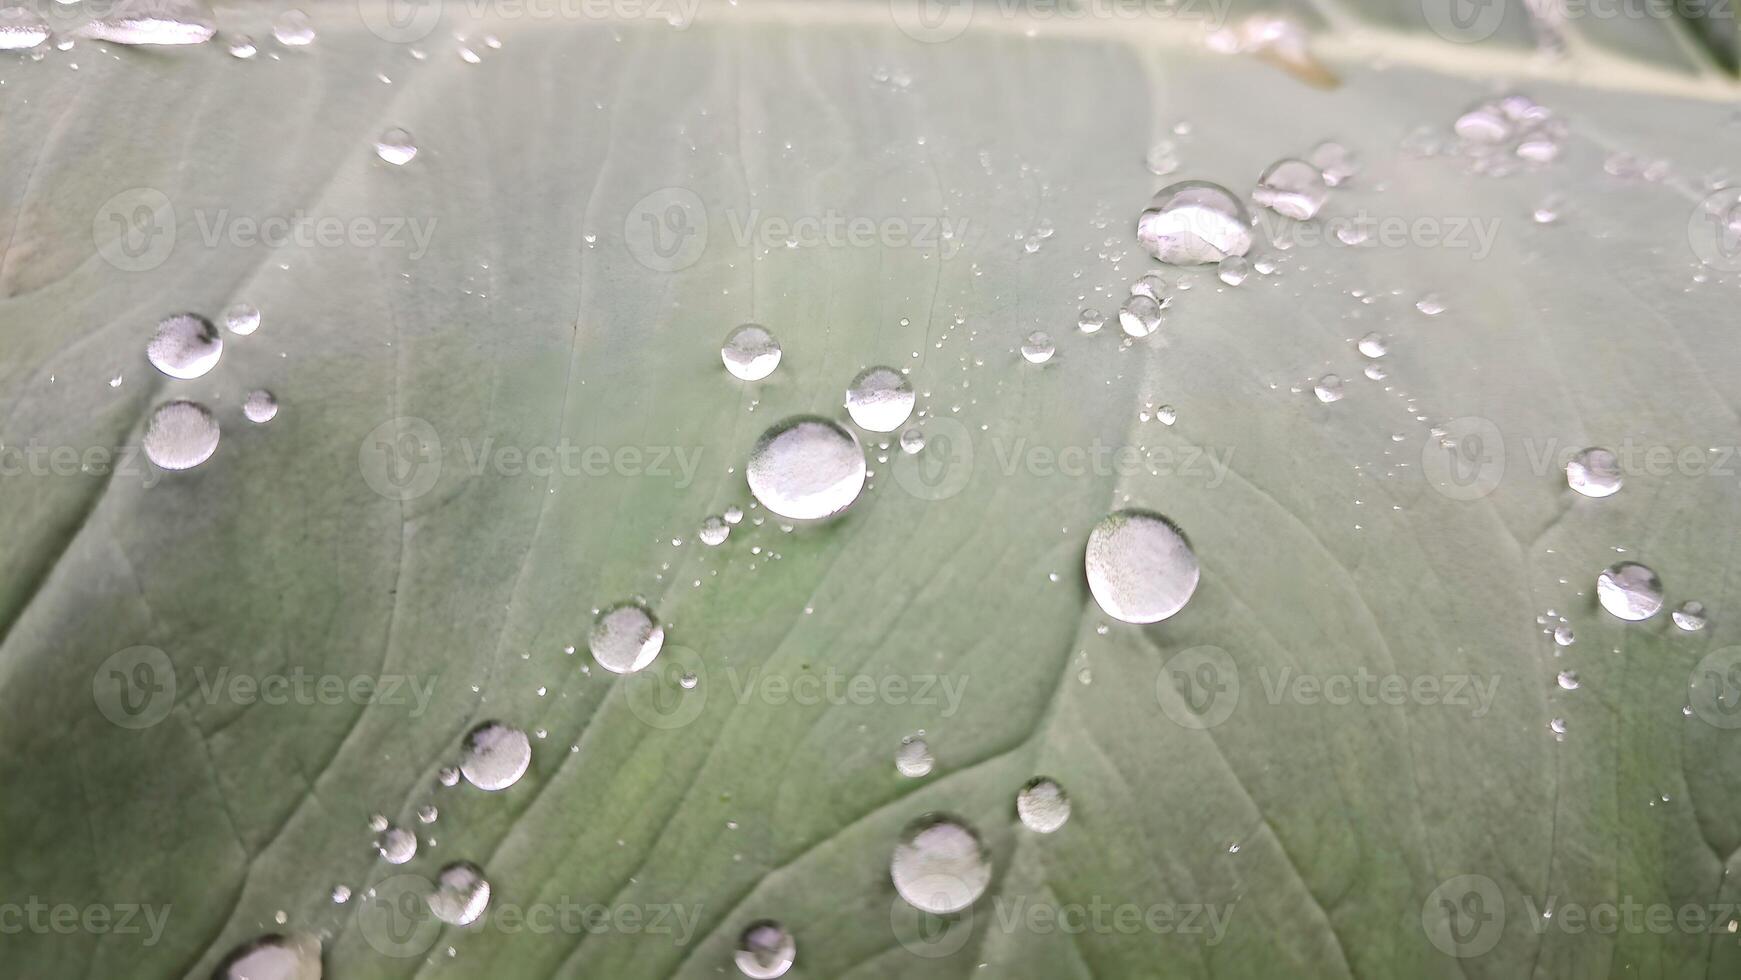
(185,346)
(1194,222)
(1690,616)
(1141,568)
(273,957)
(940,865)
(1594,472)
(1629,591)
(261,406)
(1039,348)
(806,468)
(396,147)
(750,352)
(1291,188)
(714,531)
(1043,805)
(626,637)
(292,29)
(21,29)
(765,951)
(879,399)
(913,759)
(494,756)
(180,435)
(1140,316)
(153,22)
(397,845)
(461,894)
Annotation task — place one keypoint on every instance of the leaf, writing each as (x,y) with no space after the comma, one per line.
(502,405)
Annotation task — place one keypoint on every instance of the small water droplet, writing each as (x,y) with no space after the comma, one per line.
(185,346)
(1690,616)
(1166,415)
(292,29)
(494,756)
(1140,566)
(806,468)
(1090,320)
(1430,305)
(397,845)
(1233,270)
(626,637)
(1039,347)
(1042,805)
(1140,316)
(448,776)
(396,147)
(765,950)
(1569,680)
(940,864)
(180,435)
(461,894)
(1372,345)
(879,399)
(1594,472)
(912,441)
(1328,389)
(750,352)
(242,319)
(913,759)
(242,46)
(1335,162)
(1291,188)
(734,514)
(260,406)
(1563,635)
(1629,591)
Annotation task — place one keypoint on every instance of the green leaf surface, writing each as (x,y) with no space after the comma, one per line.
(503,408)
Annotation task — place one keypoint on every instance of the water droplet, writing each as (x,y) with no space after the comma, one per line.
(1629,591)
(1194,222)
(396,147)
(181,435)
(21,29)
(242,46)
(260,406)
(912,441)
(940,865)
(750,352)
(378,823)
(242,319)
(765,951)
(1328,389)
(626,637)
(1151,285)
(1233,270)
(1485,123)
(427,813)
(494,756)
(1291,188)
(714,531)
(1090,320)
(1557,726)
(1140,316)
(397,845)
(1042,805)
(292,29)
(1039,348)
(1161,160)
(273,957)
(153,22)
(340,894)
(1563,635)
(448,776)
(734,514)
(1335,162)
(1690,616)
(461,894)
(1547,212)
(913,759)
(1594,472)
(806,468)
(1430,304)
(1166,415)
(1569,680)
(185,346)
(1372,345)
(879,399)
(1140,566)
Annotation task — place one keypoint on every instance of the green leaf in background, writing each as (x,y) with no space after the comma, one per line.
(1357,751)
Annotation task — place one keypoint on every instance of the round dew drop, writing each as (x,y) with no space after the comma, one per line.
(1090,320)
(880,399)
(495,756)
(1039,348)
(1233,270)
(1291,188)
(913,759)
(1140,566)
(242,319)
(1690,616)
(180,436)
(260,406)
(626,637)
(396,147)
(1328,389)
(940,864)
(750,352)
(1042,805)
(1594,472)
(1140,316)
(765,950)
(1194,222)
(461,894)
(714,531)
(186,346)
(1629,591)
(806,468)
(912,441)
(397,845)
